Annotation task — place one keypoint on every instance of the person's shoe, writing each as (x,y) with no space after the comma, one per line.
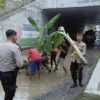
(74,85)
(81,85)
(49,71)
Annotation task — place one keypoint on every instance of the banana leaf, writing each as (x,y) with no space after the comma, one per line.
(44,41)
(52,22)
(48,25)
(33,23)
(47,44)
(57,38)
(37,43)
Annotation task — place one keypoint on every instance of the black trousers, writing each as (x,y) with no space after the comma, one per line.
(76,71)
(53,58)
(8,80)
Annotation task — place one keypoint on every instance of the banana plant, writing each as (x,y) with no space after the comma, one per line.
(43,42)
(57,38)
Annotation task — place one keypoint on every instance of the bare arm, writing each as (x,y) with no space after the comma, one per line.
(84,50)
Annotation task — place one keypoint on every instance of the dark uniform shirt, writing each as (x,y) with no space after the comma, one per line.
(64,52)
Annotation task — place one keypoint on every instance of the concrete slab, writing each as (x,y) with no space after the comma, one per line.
(94,84)
(92,91)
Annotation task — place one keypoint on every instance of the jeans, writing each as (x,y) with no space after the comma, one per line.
(35,65)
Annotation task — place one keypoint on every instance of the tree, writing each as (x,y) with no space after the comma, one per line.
(44,42)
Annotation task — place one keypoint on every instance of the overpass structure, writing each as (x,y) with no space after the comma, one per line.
(75,14)
(79,11)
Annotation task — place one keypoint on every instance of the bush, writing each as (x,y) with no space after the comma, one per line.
(1,3)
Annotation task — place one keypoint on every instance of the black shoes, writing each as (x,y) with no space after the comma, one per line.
(74,85)
(49,71)
(81,85)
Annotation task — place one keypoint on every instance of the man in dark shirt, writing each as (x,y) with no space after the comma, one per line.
(62,56)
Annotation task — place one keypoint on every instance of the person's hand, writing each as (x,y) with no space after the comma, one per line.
(74,54)
(25,64)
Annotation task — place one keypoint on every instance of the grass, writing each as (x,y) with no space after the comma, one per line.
(91,97)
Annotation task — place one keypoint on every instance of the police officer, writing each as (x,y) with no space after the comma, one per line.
(76,63)
(10,57)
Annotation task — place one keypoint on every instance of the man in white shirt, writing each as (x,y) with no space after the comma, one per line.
(76,63)
(10,58)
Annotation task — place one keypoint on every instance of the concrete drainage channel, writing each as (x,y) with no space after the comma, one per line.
(63,92)
(92,91)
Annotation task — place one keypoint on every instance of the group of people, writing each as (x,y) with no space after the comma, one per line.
(36,59)
(11,60)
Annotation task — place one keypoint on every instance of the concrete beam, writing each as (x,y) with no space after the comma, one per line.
(47,4)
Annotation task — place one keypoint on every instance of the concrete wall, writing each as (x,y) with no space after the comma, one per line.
(18,21)
(46,4)
(11,5)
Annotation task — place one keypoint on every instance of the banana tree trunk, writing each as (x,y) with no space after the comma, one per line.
(74,46)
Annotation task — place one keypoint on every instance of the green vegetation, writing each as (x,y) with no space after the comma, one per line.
(1,3)
(90,97)
(90,27)
(26,42)
(44,41)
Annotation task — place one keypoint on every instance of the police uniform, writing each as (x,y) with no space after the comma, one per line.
(76,64)
(10,57)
